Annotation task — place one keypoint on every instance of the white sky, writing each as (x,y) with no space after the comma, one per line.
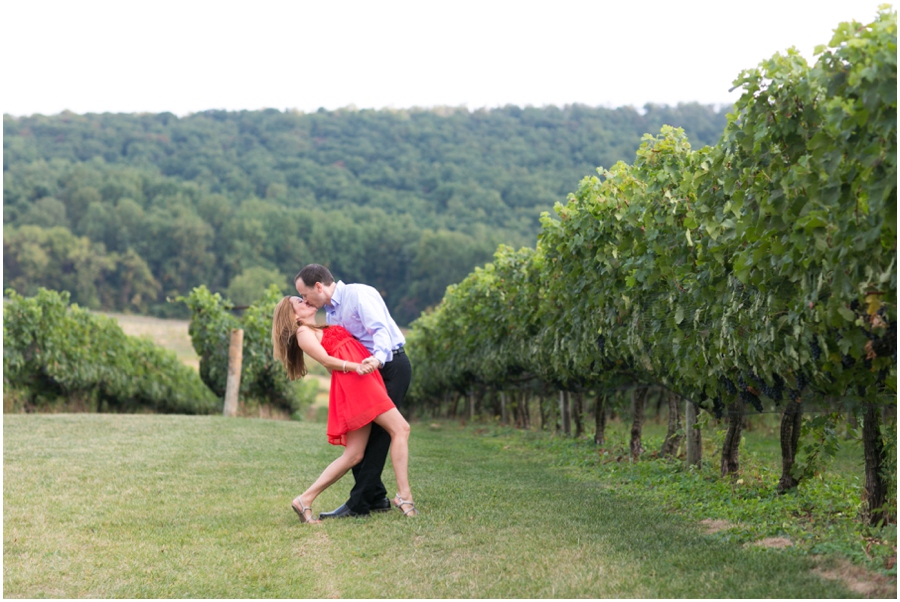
(187,56)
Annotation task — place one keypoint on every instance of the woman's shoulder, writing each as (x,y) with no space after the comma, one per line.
(303,329)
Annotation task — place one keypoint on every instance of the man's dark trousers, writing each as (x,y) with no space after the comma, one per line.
(369,489)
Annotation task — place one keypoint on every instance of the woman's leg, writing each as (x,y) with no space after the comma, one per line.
(353,453)
(394,423)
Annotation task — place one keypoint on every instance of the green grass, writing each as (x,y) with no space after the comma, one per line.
(821,517)
(142,506)
(761,442)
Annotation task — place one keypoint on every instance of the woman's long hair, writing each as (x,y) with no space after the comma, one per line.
(284,340)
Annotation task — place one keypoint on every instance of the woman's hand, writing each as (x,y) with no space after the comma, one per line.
(364,369)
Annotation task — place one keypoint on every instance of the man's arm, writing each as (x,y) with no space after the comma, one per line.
(373,315)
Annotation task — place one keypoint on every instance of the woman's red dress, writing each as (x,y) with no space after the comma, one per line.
(355,400)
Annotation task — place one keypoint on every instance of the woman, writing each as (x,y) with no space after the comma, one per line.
(357,399)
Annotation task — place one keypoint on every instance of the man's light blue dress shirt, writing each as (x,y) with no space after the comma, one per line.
(361,310)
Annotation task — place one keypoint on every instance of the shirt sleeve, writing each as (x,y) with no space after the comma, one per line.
(372,313)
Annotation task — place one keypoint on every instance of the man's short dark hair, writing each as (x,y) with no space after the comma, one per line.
(314,273)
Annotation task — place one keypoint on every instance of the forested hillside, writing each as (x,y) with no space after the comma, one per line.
(127,210)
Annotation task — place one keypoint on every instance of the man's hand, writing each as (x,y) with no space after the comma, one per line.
(365,368)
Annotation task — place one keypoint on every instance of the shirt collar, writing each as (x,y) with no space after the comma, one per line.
(336,296)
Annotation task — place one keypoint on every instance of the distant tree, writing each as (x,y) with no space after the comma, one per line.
(441,258)
(250,285)
(35,257)
(100,224)
(131,286)
(46,213)
(78,200)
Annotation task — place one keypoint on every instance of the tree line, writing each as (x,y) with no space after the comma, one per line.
(759,272)
(125,211)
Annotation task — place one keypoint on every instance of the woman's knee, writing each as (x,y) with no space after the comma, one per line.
(401,430)
(394,423)
(353,456)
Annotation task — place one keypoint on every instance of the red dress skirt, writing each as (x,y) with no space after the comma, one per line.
(355,400)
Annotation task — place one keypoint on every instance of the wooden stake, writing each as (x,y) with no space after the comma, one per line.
(233,384)
(694,448)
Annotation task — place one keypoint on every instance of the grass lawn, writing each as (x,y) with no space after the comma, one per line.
(158,506)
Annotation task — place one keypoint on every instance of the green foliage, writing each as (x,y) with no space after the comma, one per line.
(811,171)
(249,285)
(210,332)
(711,270)
(762,268)
(820,444)
(406,201)
(263,379)
(52,350)
(53,258)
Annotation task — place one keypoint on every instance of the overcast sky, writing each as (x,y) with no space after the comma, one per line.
(189,56)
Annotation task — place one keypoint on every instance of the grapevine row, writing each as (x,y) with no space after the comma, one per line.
(52,350)
(740,273)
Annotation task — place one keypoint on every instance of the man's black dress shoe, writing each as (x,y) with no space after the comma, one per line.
(341,512)
(382,505)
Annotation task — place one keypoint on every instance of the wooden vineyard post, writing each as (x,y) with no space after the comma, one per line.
(638,400)
(565,412)
(576,409)
(692,434)
(562,411)
(233,384)
(600,418)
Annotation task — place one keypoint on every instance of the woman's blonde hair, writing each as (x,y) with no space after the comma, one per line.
(284,340)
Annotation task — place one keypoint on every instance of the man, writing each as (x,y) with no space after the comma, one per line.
(361,310)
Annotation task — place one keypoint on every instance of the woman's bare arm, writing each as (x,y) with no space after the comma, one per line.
(310,344)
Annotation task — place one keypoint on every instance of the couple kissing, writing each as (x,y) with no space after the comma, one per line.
(362,347)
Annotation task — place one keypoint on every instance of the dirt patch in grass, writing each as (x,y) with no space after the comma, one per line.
(315,547)
(715,525)
(772,542)
(312,545)
(860,580)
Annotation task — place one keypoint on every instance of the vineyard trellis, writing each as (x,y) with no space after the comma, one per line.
(758,272)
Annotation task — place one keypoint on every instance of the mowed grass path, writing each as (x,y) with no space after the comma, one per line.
(173,506)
